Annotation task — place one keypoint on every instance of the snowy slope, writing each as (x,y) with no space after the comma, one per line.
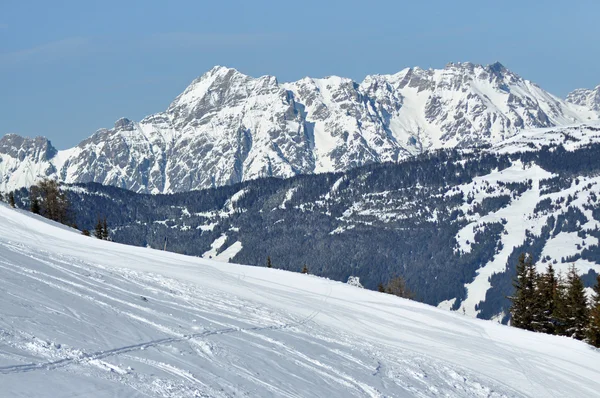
(83,317)
(228,127)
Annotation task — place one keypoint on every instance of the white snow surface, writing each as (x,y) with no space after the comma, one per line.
(84,317)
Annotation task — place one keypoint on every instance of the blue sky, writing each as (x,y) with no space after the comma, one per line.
(68,68)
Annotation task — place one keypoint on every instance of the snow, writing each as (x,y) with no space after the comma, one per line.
(227,127)
(564,245)
(288,196)
(215,246)
(84,317)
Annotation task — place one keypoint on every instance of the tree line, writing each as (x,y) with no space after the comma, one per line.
(47,199)
(549,303)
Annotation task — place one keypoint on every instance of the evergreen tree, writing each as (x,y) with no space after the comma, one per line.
(593,331)
(11,199)
(546,285)
(34,205)
(99,231)
(104,229)
(305,269)
(577,317)
(380,288)
(523,305)
(559,316)
(269,265)
(85,232)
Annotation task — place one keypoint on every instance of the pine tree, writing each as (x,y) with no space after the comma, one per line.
(98,231)
(11,199)
(35,205)
(380,288)
(577,317)
(305,269)
(544,307)
(85,232)
(269,265)
(559,316)
(593,331)
(523,305)
(104,229)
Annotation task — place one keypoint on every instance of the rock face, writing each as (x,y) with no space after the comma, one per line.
(227,127)
(586,98)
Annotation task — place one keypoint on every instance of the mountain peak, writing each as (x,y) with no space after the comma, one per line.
(227,127)
(19,147)
(497,67)
(220,72)
(123,124)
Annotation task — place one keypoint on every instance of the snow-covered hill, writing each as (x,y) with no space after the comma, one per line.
(228,127)
(83,317)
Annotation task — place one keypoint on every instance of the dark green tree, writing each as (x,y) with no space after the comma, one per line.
(544,308)
(593,331)
(577,317)
(523,305)
(99,230)
(305,269)
(269,264)
(34,202)
(11,199)
(85,232)
(380,288)
(104,229)
(559,316)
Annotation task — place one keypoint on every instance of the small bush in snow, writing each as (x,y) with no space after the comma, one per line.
(354,281)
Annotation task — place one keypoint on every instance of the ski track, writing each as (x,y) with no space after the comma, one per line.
(75,324)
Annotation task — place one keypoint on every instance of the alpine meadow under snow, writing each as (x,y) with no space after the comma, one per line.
(85,317)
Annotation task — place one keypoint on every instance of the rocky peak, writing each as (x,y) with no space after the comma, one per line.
(228,127)
(124,124)
(585,97)
(37,149)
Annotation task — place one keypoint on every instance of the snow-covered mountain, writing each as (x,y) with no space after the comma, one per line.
(227,127)
(587,98)
(84,317)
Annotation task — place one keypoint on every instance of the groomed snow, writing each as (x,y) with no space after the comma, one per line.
(84,317)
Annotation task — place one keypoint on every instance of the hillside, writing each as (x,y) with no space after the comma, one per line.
(227,127)
(83,317)
(451,222)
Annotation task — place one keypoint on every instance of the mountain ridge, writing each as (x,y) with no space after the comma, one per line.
(227,127)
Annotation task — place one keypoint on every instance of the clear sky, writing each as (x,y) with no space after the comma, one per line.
(68,68)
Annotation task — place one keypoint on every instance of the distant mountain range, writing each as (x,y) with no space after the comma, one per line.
(227,127)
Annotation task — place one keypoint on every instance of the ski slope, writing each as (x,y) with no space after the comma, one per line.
(81,317)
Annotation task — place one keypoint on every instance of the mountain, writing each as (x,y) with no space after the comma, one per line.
(85,317)
(227,127)
(586,98)
(452,222)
